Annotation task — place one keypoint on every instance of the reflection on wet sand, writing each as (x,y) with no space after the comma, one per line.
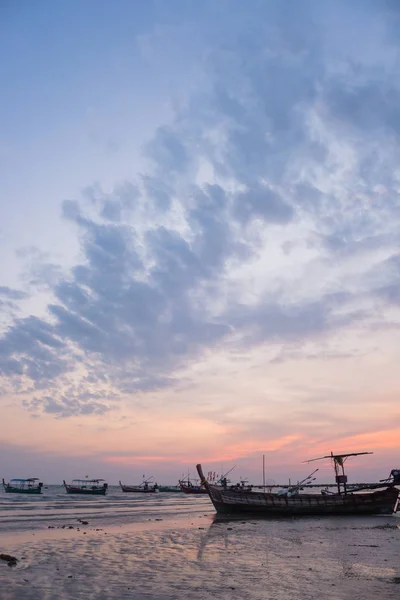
(215,533)
(197,555)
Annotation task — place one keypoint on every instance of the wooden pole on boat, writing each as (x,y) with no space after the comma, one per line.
(264,472)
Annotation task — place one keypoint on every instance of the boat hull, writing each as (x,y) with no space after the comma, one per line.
(187,487)
(99,492)
(11,490)
(169,490)
(194,492)
(132,490)
(139,489)
(231,501)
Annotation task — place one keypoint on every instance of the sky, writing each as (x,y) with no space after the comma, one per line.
(199,237)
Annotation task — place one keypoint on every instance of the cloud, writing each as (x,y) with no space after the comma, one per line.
(66,407)
(10,294)
(168,151)
(278,151)
(262,202)
(31,349)
(39,272)
(9,302)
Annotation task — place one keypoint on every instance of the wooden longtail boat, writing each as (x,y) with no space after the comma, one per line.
(375,499)
(143,488)
(188,487)
(90,487)
(23,486)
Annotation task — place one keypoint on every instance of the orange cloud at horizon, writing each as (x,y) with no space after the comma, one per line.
(250,447)
(375,440)
(280,450)
(135,460)
(186,439)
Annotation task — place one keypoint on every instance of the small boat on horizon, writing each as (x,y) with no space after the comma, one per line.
(91,487)
(188,487)
(367,499)
(142,488)
(23,486)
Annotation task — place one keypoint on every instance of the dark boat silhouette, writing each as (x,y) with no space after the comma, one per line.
(89,487)
(370,499)
(23,486)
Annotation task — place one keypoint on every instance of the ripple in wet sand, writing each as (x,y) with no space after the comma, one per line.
(202,558)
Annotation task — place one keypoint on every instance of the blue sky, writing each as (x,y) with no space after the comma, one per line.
(199,230)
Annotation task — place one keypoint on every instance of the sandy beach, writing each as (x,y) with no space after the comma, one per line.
(184,551)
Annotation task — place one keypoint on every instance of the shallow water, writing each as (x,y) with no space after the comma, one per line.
(171,546)
(54,507)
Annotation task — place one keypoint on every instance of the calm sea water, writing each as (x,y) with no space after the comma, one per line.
(55,507)
(169,546)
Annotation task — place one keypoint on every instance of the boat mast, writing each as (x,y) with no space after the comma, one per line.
(338,479)
(264,472)
(338,465)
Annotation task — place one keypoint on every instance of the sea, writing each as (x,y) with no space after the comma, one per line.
(169,546)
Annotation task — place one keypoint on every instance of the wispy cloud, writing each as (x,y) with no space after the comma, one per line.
(268,217)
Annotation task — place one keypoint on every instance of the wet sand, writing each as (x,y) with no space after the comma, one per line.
(199,557)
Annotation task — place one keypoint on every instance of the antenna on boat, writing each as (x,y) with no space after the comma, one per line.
(292,490)
(338,464)
(227,473)
(264,472)
(309,477)
(148,480)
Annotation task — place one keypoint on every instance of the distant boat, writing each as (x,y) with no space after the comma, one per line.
(368,499)
(188,487)
(23,486)
(170,489)
(91,487)
(143,488)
